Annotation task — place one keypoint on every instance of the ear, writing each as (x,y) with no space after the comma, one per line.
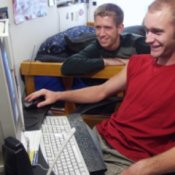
(120,28)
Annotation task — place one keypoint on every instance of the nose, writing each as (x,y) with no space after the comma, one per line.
(149,37)
(101,32)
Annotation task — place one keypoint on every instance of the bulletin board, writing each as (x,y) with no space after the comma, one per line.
(29,9)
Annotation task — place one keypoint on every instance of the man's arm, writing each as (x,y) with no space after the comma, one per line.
(85,95)
(163,163)
(86,61)
(115,61)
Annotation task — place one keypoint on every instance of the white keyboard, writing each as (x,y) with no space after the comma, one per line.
(54,131)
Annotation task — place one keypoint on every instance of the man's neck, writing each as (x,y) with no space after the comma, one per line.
(166,61)
(116,46)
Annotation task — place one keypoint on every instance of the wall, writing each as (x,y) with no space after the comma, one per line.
(30,34)
(134,10)
(71,16)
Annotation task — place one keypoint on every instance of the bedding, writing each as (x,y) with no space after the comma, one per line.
(59,46)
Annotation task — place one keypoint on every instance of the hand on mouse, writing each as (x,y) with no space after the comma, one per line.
(49,97)
(33,104)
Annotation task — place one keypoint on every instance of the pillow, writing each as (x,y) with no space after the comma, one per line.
(52,58)
(55,44)
(76,44)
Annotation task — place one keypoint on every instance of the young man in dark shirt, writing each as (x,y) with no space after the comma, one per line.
(111,47)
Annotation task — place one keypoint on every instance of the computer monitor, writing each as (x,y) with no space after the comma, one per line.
(11,115)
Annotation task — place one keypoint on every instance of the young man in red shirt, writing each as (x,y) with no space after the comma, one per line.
(138,139)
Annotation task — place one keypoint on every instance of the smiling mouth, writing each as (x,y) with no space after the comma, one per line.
(154,48)
(103,41)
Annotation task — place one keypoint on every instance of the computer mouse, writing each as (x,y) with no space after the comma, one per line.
(33,104)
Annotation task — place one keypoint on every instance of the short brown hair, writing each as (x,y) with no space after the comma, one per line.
(109,9)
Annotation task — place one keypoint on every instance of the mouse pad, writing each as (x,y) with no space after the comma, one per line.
(33,118)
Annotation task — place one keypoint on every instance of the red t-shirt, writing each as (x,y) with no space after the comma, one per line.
(145,123)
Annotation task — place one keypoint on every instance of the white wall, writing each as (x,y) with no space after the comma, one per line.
(71,16)
(28,36)
(31,33)
(134,10)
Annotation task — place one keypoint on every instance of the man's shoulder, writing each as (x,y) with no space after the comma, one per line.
(139,63)
(130,37)
(141,59)
(94,45)
(135,42)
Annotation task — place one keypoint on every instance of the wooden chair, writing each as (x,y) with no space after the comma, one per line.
(30,69)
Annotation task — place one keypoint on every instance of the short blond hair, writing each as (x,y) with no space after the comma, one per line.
(158,5)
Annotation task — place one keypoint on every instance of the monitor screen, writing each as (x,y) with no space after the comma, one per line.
(10,104)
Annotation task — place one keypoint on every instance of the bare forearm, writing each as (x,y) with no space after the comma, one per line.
(114,61)
(157,165)
(85,95)
(162,164)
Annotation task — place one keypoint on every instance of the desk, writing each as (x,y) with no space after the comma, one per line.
(86,144)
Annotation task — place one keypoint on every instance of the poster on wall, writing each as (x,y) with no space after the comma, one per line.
(24,10)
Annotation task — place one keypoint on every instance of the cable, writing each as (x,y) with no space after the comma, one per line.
(41,166)
(61,150)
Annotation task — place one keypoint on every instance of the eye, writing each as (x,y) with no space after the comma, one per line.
(157,32)
(154,31)
(107,27)
(97,27)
